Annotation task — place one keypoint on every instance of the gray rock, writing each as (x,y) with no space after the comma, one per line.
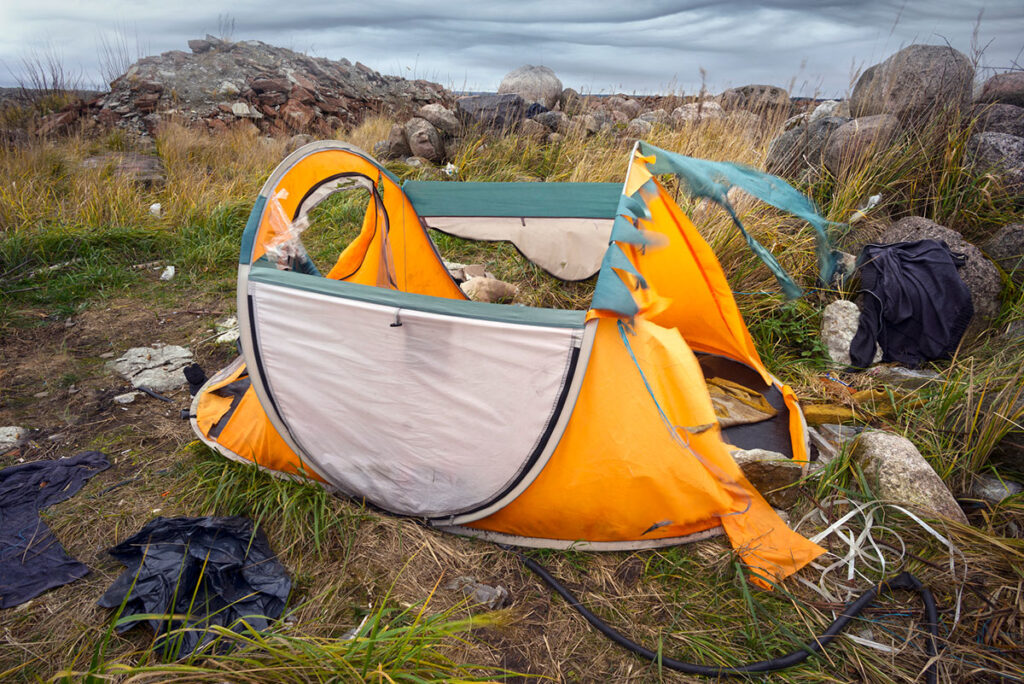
(999,118)
(772,474)
(158,368)
(827,449)
(1000,154)
(756,98)
(839,324)
(424,140)
(126,398)
(916,81)
(696,112)
(823,110)
(490,597)
(1006,248)
(554,120)
(801,147)
(242,109)
(840,434)
(658,117)
(569,101)
(994,490)
(442,118)
(199,46)
(500,112)
(12,437)
(628,106)
(979,274)
(639,128)
(533,84)
(531,128)
(852,142)
(896,471)
(1007,88)
(907,378)
(396,146)
(297,141)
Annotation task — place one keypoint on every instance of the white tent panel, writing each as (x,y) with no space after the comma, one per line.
(432,417)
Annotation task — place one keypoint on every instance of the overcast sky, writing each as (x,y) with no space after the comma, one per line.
(642,46)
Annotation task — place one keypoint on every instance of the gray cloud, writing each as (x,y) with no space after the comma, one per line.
(637,46)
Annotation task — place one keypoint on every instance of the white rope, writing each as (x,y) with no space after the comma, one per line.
(863,554)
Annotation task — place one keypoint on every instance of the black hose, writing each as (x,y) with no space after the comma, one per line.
(902,581)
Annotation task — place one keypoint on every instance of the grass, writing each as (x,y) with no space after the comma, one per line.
(690,602)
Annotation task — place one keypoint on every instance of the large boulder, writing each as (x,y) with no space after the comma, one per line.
(500,112)
(1007,88)
(1000,154)
(628,106)
(1006,248)
(533,84)
(897,472)
(801,147)
(979,274)
(852,142)
(756,98)
(999,118)
(696,112)
(916,81)
(424,140)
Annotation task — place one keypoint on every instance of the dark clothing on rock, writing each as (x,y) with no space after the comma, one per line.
(916,306)
(31,559)
(213,571)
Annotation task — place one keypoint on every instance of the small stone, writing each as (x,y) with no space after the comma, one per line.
(772,474)
(107,355)
(57,437)
(228,331)
(40,395)
(168,273)
(838,326)
(156,209)
(482,289)
(126,398)
(994,490)
(490,597)
(840,434)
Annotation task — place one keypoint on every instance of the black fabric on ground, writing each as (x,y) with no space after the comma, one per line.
(916,307)
(214,570)
(195,376)
(31,559)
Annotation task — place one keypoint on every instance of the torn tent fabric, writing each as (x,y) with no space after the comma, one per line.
(32,560)
(377,379)
(915,305)
(212,571)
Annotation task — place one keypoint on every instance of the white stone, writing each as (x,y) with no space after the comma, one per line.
(126,398)
(156,209)
(993,490)
(228,331)
(12,437)
(158,368)
(838,326)
(826,108)
(168,273)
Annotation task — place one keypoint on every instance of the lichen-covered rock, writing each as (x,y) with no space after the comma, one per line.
(852,142)
(1001,154)
(824,109)
(533,84)
(639,128)
(916,81)
(696,112)
(628,106)
(1006,248)
(658,117)
(569,102)
(1007,88)
(159,368)
(978,273)
(897,472)
(999,118)
(772,474)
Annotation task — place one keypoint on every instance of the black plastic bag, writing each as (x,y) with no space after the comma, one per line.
(197,573)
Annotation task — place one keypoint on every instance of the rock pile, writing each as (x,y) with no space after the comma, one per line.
(221,83)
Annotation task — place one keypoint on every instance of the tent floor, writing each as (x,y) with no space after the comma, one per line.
(772,434)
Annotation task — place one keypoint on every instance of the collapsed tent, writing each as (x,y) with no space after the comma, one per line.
(538,427)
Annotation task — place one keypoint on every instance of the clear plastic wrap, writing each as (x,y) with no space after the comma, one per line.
(285,248)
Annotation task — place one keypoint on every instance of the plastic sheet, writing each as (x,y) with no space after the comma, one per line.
(285,247)
(196,573)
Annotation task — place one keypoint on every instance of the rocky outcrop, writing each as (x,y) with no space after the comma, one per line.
(917,81)
(221,83)
(978,273)
(897,472)
(534,84)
